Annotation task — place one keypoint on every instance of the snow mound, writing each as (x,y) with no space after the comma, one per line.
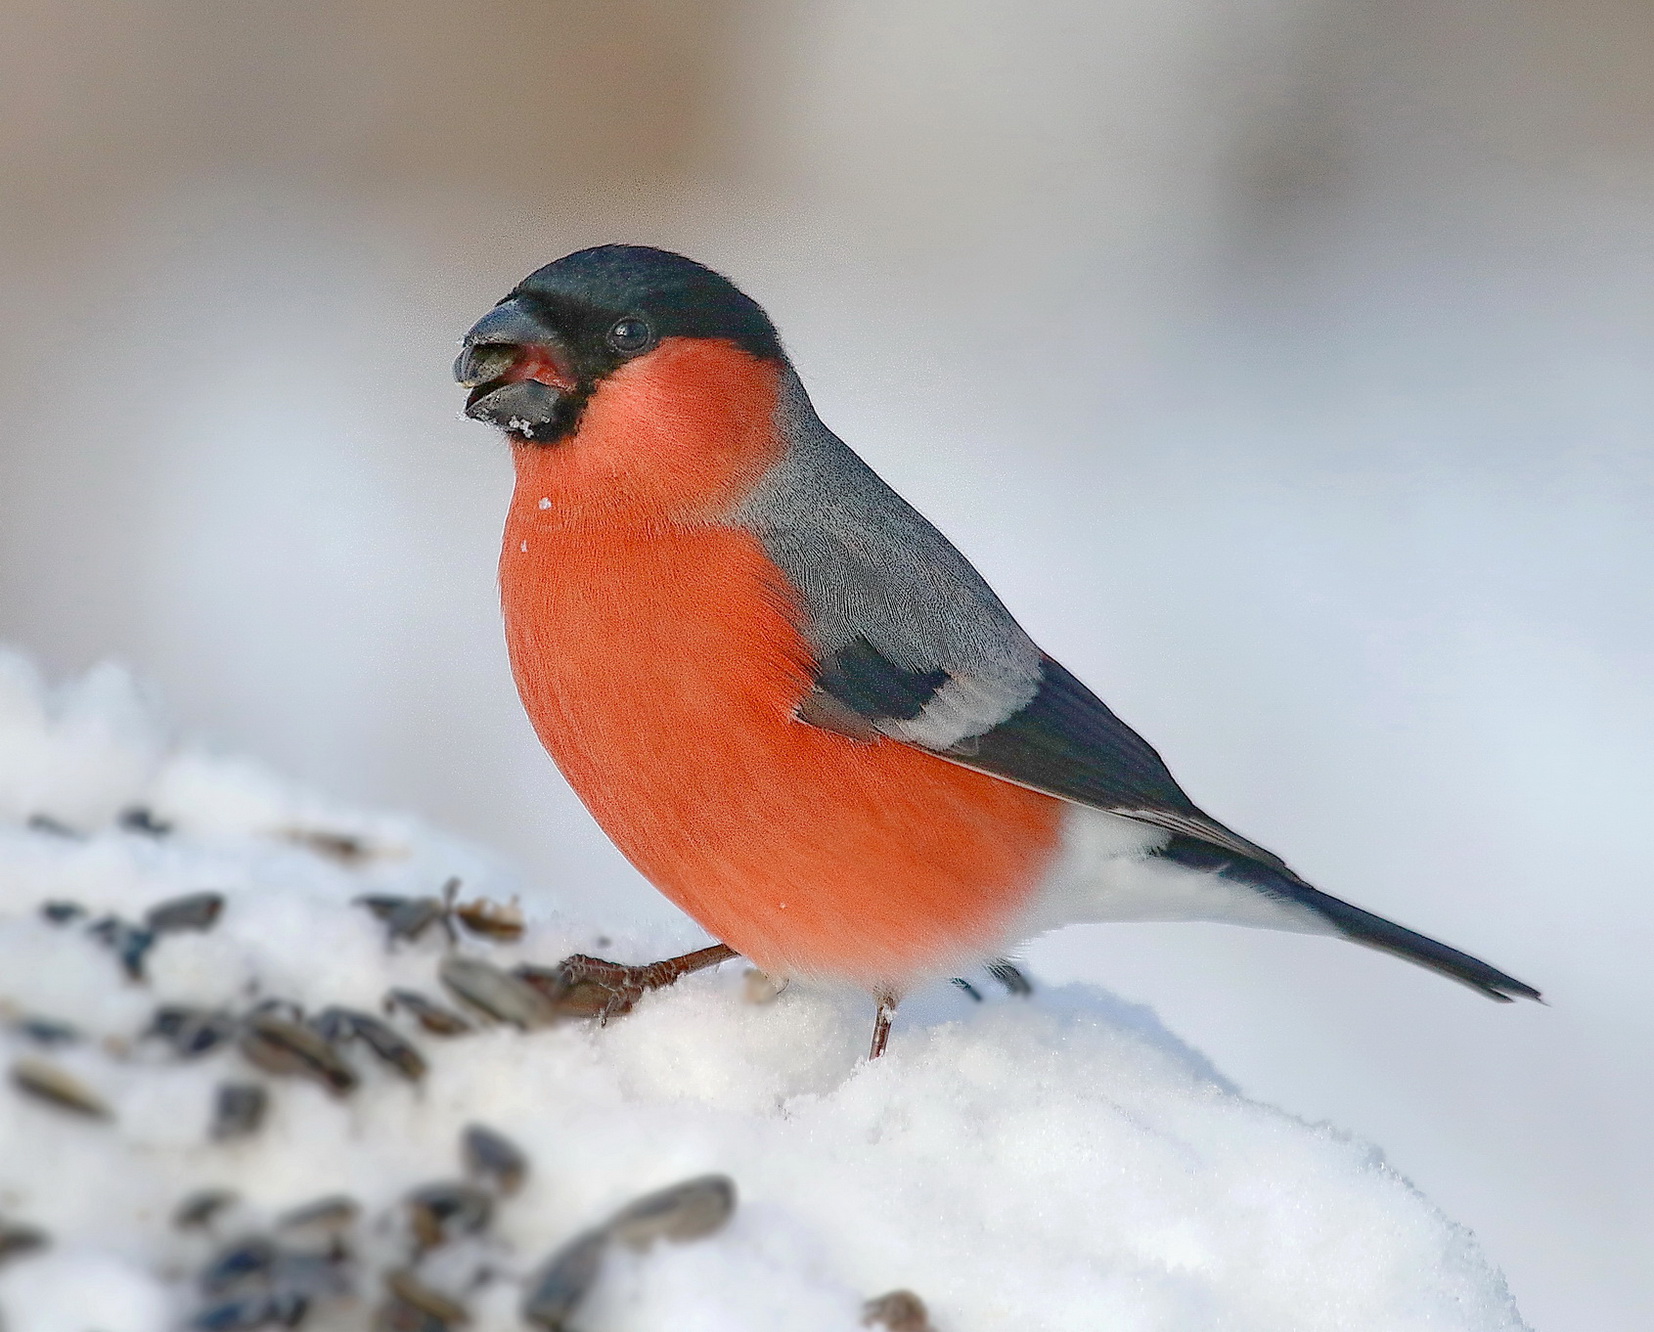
(1061,1162)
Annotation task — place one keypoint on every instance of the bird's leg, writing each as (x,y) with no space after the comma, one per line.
(1009,975)
(881,1024)
(582,986)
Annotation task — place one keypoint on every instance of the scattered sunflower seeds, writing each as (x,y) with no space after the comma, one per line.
(56,1086)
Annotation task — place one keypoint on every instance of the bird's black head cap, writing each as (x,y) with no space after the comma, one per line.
(676,296)
(534,360)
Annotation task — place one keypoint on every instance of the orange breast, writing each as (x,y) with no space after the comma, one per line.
(660,661)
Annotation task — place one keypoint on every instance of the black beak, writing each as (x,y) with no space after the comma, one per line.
(491,350)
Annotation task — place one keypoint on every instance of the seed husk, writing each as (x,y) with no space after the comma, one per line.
(192,1031)
(409,1289)
(193,911)
(896,1311)
(236,1264)
(130,943)
(491,919)
(283,1047)
(383,1039)
(493,1158)
(197,1210)
(500,995)
(687,1211)
(432,1016)
(337,1211)
(439,1212)
(557,1289)
(56,1086)
(282,1309)
(238,1110)
(17,1239)
(141,819)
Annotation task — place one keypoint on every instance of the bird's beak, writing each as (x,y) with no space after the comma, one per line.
(517,370)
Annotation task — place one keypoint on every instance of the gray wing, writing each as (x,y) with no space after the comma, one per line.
(911,643)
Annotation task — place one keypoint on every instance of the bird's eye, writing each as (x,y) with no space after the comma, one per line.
(630,335)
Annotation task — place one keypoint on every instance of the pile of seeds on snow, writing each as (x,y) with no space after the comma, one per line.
(416,1264)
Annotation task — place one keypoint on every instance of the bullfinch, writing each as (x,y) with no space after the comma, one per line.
(792,704)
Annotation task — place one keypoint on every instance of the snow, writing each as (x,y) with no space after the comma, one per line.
(1061,1162)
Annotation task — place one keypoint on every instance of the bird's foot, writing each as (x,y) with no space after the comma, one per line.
(582,986)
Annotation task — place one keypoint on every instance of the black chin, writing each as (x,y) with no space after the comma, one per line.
(525,407)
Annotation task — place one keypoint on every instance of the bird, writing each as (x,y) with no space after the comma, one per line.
(786,697)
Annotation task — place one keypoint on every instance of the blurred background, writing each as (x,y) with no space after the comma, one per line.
(1286,365)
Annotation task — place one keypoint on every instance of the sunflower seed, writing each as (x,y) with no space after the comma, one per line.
(500,995)
(283,1309)
(45,823)
(47,1031)
(345,848)
(48,1082)
(17,1239)
(897,1311)
(436,1019)
(407,1288)
(557,1289)
(440,1212)
(490,919)
(237,1264)
(333,1213)
(384,1040)
(404,917)
(61,912)
(690,1210)
(141,819)
(191,1031)
(130,943)
(238,1110)
(193,911)
(493,1158)
(280,1046)
(197,1210)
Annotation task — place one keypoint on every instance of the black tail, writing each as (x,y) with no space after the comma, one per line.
(1352,922)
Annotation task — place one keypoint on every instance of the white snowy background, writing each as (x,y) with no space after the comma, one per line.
(1285,366)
